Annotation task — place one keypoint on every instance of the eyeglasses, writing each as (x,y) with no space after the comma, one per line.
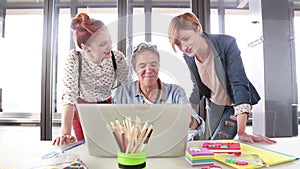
(143,46)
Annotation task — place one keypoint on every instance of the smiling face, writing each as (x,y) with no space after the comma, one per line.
(188,41)
(147,68)
(185,32)
(99,45)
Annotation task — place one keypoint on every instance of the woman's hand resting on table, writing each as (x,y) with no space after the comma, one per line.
(253,139)
(64,140)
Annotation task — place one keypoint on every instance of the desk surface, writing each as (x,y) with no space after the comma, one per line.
(15,154)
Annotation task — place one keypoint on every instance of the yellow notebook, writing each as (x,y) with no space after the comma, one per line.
(249,152)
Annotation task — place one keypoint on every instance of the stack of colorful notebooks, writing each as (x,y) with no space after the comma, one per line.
(200,157)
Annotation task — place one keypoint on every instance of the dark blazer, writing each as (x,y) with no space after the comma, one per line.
(229,69)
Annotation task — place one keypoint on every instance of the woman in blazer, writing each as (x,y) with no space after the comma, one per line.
(218,74)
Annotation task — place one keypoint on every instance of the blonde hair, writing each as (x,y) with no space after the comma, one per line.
(186,21)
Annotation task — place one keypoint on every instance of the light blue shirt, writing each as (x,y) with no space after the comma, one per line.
(170,94)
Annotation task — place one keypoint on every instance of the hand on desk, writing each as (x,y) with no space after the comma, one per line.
(253,139)
(64,140)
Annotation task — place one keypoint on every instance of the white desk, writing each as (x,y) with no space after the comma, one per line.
(15,154)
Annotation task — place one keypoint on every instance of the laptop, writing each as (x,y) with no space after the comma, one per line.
(168,138)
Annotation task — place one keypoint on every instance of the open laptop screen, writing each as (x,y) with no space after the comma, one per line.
(170,127)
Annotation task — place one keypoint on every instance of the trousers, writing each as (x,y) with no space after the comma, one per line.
(76,121)
(221,121)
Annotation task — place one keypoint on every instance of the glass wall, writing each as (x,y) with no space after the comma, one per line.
(177,71)
(237,24)
(214,21)
(297,44)
(63,47)
(108,15)
(20,61)
(150,23)
(21,25)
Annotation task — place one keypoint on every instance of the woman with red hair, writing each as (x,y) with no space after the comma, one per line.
(90,73)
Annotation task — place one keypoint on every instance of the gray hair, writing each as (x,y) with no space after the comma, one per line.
(143,46)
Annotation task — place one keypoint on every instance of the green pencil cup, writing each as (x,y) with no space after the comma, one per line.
(132,160)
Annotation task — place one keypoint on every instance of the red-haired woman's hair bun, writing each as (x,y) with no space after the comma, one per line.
(84,27)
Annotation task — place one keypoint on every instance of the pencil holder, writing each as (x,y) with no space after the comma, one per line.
(132,160)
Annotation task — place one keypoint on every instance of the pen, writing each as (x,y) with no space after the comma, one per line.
(71,146)
(146,140)
(62,150)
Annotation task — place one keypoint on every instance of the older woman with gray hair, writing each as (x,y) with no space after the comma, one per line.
(149,89)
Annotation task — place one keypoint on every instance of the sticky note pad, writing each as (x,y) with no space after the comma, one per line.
(268,157)
(223,147)
(197,156)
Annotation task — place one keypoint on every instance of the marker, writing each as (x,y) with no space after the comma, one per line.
(62,150)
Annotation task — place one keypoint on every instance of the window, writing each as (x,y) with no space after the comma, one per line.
(21,52)
(237,24)
(214,21)
(20,61)
(297,44)
(177,71)
(150,22)
(107,15)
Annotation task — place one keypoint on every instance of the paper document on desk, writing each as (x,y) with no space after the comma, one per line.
(256,157)
(55,159)
(58,162)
